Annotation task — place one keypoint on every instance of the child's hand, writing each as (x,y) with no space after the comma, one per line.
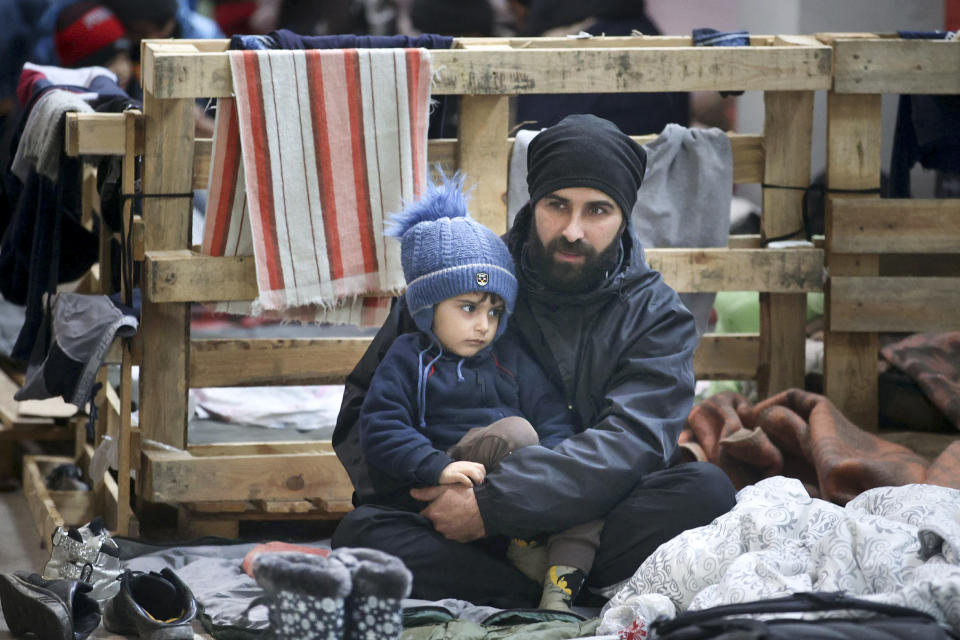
(463,472)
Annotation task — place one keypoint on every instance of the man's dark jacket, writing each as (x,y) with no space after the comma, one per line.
(623,355)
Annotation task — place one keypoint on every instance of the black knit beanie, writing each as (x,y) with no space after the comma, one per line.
(586,151)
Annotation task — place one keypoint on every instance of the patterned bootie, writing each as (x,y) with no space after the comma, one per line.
(306,595)
(380,582)
(561,586)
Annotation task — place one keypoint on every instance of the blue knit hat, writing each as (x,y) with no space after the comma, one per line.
(445,253)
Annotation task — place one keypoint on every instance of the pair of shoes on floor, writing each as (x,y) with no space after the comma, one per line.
(354,594)
(87,554)
(153,606)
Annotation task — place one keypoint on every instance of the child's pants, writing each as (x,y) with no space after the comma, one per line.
(574,547)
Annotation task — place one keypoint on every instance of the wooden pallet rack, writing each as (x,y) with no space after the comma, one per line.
(215,486)
(894,264)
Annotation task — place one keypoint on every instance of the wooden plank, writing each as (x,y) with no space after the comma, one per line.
(747,150)
(184,276)
(788,121)
(881,225)
(180,71)
(776,270)
(179,477)
(202,152)
(284,506)
(46,516)
(94,134)
(896,66)
(259,448)
(727,357)
(334,507)
(854,161)
(894,304)
(166,327)
(236,506)
(16,425)
(926,265)
(484,121)
(598,42)
(232,363)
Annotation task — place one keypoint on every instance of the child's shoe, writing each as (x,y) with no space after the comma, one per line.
(380,582)
(306,595)
(561,586)
(88,554)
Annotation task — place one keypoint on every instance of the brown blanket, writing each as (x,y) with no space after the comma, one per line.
(933,361)
(803,435)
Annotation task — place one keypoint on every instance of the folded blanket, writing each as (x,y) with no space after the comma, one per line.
(893,545)
(803,435)
(331,142)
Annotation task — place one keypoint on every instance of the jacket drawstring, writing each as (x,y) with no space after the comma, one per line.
(459,372)
(422,374)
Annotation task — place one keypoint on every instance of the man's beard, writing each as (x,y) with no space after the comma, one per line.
(571,277)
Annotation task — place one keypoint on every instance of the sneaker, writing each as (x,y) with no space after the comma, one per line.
(151,605)
(529,556)
(561,586)
(88,554)
(50,609)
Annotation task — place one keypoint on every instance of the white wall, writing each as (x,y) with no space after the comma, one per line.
(680,17)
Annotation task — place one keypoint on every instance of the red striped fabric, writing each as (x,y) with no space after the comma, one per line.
(330,143)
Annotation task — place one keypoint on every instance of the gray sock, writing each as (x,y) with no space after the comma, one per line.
(380,582)
(306,595)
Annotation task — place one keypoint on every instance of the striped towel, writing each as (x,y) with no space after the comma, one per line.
(329,142)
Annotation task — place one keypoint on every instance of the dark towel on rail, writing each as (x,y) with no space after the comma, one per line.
(803,435)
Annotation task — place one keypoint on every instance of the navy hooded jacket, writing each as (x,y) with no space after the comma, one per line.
(623,355)
(462,393)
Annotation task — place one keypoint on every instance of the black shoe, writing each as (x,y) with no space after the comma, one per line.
(50,609)
(151,605)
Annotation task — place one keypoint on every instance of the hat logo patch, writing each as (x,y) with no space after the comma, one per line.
(482,279)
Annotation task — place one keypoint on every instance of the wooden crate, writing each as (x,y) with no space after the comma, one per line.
(52,509)
(894,264)
(485,72)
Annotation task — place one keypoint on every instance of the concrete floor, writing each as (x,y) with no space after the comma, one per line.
(21,550)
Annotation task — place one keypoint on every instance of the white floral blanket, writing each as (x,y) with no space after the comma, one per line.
(899,545)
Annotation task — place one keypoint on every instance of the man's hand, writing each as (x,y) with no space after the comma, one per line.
(453,511)
(463,472)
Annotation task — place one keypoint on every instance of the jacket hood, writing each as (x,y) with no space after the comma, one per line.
(632,270)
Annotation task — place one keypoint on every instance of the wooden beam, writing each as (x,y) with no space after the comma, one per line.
(234,363)
(788,121)
(259,448)
(774,270)
(181,71)
(896,66)
(727,357)
(483,157)
(185,276)
(894,304)
(179,477)
(182,275)
(881,225)
(46,515)
(854,130)
(748,156)
(167,221)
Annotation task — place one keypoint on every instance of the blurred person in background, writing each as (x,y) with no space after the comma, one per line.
(633,113)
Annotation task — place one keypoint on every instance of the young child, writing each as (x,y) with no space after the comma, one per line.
(448,402)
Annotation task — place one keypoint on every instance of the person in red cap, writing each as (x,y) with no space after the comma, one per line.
(89,34)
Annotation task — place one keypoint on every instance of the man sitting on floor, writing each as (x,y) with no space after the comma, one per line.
(619,343)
